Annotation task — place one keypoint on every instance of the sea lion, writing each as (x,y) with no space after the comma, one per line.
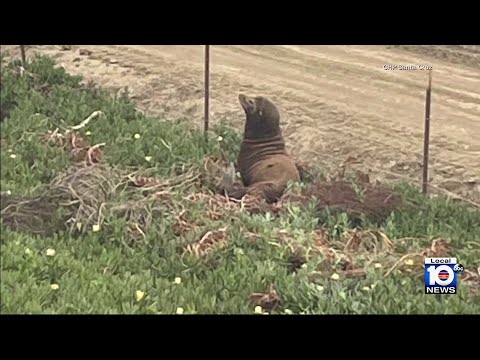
(263,162)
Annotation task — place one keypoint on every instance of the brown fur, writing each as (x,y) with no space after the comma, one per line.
(263,162)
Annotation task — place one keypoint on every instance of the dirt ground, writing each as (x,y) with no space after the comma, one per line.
(338,102)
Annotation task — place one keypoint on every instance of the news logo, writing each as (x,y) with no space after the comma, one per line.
(458,269)
(441,275)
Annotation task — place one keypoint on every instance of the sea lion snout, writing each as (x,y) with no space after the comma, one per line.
(248,103)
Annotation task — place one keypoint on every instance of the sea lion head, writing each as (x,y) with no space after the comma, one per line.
(263,117)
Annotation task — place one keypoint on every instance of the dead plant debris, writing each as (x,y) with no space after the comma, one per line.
(268,301)
(181,226)
(439,248)
(321,237)
(79,198)
(212,240)
(367,240)
(78,146)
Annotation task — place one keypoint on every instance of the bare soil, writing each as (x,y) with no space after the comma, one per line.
(338,102)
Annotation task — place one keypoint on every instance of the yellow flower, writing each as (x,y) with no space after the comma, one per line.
(288,311)
(373,286)
(304,266)
(13,156)
(258,310)
(366,288)
(139,294)
(220,139)
(378,266)
(335,276)
(148,158)
(178,280)
(137,136)
(9,150)
(409,262)
(96,228)
(320,287)
(50,252)
(79,226)
(179,311)
(28,251)
(88,133)
(9,192)
(239,252)
(54,286)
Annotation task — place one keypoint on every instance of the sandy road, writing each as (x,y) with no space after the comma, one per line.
(338,102)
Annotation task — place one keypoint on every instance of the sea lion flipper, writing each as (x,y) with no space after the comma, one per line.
(270,191)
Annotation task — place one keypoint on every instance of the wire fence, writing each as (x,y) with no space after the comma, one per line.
(425,182)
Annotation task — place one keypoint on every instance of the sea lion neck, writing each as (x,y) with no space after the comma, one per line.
(261,131)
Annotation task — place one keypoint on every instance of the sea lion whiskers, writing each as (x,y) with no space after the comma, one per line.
(248,104)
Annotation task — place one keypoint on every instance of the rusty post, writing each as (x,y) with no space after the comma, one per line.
(22,53)
(207,89)
(426,140)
